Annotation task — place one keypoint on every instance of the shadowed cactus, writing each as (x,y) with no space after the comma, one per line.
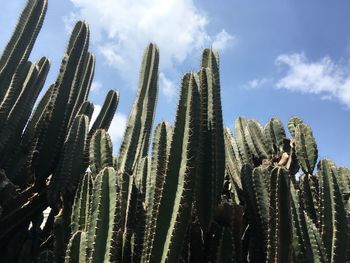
(42,150)
(202,194)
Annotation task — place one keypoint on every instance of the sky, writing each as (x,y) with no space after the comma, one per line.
(278,58)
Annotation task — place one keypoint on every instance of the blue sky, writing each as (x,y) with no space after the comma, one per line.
(278,57)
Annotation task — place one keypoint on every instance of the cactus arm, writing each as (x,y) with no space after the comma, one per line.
(22,105)
(343,178)
(100,153)
(53,125)
(33,121)
(17,115)
(255,196)
(21,43)
(136,138)
(130,222)
(215,115)
(309,199)
(256,141)
(280,225)
(211,168)
(305,148)
(292,124)
(76,252)
(70,168)
(86,108)
(171,222)
(155,183)
(275,133)
(14,90)
(233,164)
(240,124)
(181,213)
(86,76)
(105,117)
(135,142)
(334,229)
(80,208)
(101,221)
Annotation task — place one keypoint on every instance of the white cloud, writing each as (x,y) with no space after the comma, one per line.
(222,40)
(121,29)
(111,54)
(325,77)
(96,86)
(257,83)
(97,109)
(167,87)
(117,128)
(69,21)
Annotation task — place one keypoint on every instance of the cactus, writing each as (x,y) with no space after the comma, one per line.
(21,43)
(155,183)
(135,142)
(305,148)
(333,219)
(279,234)
(202,195)
(100,223)
(47,142)
(212,152)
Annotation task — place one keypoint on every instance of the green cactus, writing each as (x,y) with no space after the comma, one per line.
(203,195)
(279,232)
(101,220)
(256,141)
(80,208)
(100,153)
(211,168)
(274,134)
(47,142)
(21,43)
(74,253)
(334,231)
(136,138)
(293,123)
(105,117)
(70,168)
(155,183)
(306,148)
(178,188)
(135,142)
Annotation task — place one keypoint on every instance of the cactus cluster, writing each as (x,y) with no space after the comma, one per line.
(301,214)
(44,141)
(200,194)
(206,195)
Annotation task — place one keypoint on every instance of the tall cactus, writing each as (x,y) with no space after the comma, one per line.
(21,43)
(136,138)
(47,142)
(280,233)
(135,142)
(203,195)
(179,182)
(333,219)
(212,152)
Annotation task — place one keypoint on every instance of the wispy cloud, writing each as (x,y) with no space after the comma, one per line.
(166,86)
(117,128)
(329,79)
(121,29)
(257,83)
(222,40)
(96,86)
